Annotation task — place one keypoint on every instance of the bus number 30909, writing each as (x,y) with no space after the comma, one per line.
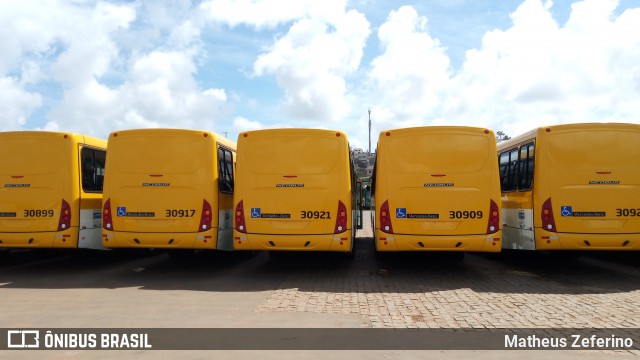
(465,214)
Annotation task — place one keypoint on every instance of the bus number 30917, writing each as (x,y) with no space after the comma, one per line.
(179,213)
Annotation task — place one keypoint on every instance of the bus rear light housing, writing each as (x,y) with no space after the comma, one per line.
(548,222)
(493,225)
(65,216)
(205,217)
(238,218)
(341,219)
(107,221)
(385,218)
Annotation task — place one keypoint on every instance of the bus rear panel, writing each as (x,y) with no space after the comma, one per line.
(294,191)
(585,193)
(437,189)
(162,190)
(51,190)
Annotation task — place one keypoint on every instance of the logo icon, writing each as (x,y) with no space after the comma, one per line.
(122,211)
(23,339)
(255,212)
(401,213)
(566,210)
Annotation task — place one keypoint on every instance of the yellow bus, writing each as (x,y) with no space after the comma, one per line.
(51,190)
(295,191)
(572,187)
(168,189)
(437,188)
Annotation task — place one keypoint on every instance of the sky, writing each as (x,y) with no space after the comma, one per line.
(227,66)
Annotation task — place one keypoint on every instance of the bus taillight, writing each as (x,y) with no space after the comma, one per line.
(65,216)
(341,219)
(239,218)
(548,223)
(205,218)
(494,218)
(107,222)
(385,218)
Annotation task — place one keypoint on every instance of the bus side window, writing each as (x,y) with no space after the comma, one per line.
(225,170)
(503,159)
(92,169)
(508,173)
(525,168)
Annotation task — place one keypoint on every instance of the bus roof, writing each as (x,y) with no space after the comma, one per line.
(220,139)
(295,131)
(79,138)
(435,129)
(564,127)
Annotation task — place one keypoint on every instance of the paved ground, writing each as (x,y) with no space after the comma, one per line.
(52,289)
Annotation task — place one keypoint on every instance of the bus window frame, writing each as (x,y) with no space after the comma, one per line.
(98,186)
(526,162)
(511,173)
(225,170)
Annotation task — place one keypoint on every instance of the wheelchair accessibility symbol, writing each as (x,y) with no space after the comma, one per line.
(566,211)
(401,213)
(255,212)
(122,211)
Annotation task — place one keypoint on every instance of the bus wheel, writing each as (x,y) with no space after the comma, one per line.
(380,255)
(180,254)
(276,254)
(457,256)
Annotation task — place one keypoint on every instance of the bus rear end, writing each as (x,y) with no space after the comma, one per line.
(160,191)
(293,191)
(588,196)
(437,189)
(39,200)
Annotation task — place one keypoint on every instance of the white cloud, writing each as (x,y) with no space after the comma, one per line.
(533,73)
(16,104)
(241,124)
(311,63)
(119,66)
(537,72)
(159,91)
(409,78)
(270,13)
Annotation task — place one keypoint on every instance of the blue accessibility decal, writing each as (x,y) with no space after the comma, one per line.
(255,212)
(401,213)
(122,211)
(566,210)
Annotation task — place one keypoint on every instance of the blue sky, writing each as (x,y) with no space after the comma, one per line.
(98,66)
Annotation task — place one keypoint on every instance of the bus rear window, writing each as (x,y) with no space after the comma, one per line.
(296,155)
(37,155)
(601,149)
(436,153)
(170,154)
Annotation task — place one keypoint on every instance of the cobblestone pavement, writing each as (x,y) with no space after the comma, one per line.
(425,291)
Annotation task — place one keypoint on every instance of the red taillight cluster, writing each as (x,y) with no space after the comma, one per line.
(107,221)
(385,218)
(548,223)
(493,224)
(65,217)
(205,217)
(239,218)
(341,219)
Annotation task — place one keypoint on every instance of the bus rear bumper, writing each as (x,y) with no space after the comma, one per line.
(565,241)
(397,242)
(327,242)
(160,240)
(40,240)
